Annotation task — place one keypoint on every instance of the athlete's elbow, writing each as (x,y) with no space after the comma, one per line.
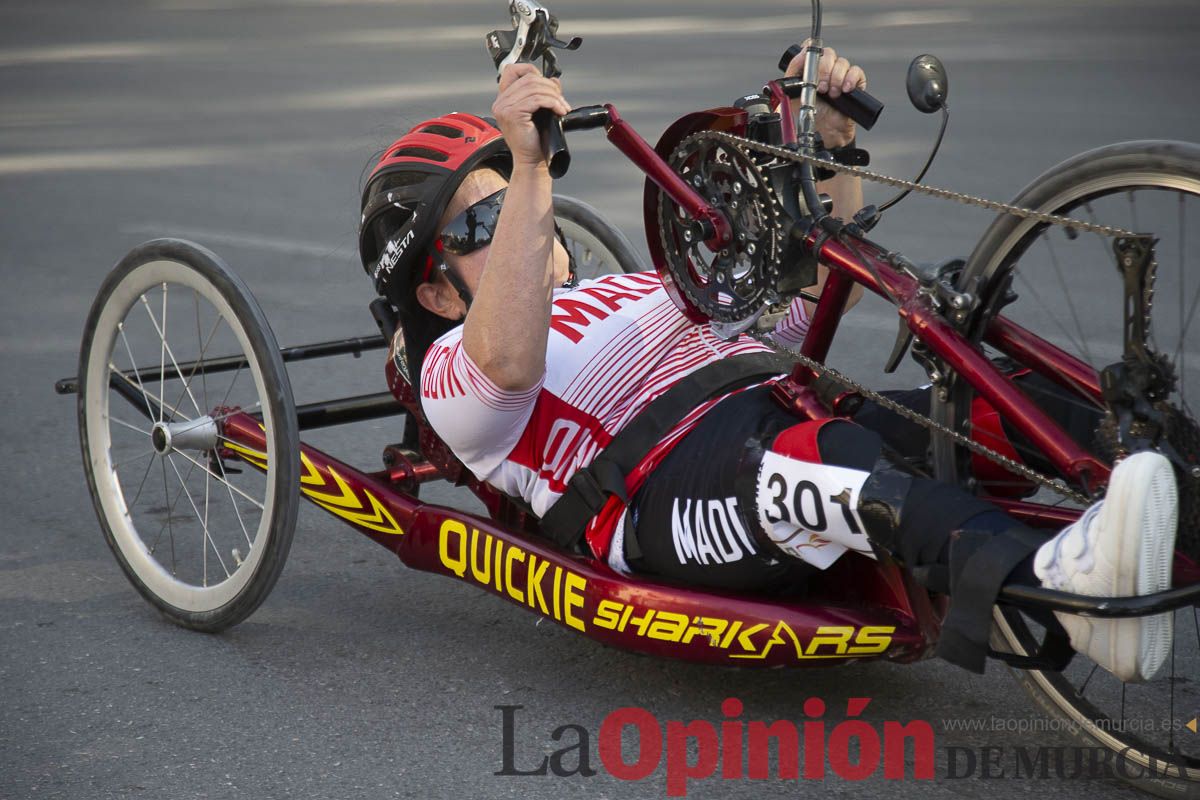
(511,374)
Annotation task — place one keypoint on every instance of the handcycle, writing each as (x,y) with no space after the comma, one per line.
(741,171)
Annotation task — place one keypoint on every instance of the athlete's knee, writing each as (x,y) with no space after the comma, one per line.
(833,441)
(801,486)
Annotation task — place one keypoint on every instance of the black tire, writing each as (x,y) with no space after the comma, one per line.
(188,436)
(599,248)
(1075,188)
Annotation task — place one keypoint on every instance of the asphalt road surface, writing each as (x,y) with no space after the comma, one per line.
(245,125)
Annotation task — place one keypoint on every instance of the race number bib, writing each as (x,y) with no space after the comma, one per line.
(810,510)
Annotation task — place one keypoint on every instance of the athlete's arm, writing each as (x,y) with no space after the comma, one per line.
(506,329)
(834,76)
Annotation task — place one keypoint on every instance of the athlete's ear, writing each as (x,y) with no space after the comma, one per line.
(438,297)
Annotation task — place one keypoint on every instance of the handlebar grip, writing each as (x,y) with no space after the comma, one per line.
(856,104)
(554,142)
(584,118)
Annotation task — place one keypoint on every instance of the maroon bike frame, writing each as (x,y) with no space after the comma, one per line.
(945,341)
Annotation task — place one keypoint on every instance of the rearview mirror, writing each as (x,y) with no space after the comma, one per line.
(927,83)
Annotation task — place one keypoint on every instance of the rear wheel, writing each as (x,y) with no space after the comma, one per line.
(201,537)
(597,247)
(1068,291)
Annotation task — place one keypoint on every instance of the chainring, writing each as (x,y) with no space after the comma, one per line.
(735,283)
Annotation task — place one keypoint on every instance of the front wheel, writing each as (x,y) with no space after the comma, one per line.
(1064,286)
(200,535)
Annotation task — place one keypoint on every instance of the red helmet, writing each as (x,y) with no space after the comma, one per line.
(409,189)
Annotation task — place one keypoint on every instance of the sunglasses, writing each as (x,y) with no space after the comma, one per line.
(471,230)
(468,232)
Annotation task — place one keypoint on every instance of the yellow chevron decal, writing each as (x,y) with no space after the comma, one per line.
(255,457)
(378,519)
(344,496)
(341,502)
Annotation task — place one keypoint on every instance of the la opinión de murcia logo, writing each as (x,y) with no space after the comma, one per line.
(633,744)
(732,749)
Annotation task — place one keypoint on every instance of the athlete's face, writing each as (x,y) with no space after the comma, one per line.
(447,303)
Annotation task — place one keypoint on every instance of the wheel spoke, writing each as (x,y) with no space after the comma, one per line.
(233,501)
(1062,282)
(1087,680)
(151,396)
(229,414)
(207,538)
(207,482)
(162,349)
(198,364)
(167,348)
(170,511)
(1187,409)
(125,424)
(1100,238)
(1187,321)
(133,366)
(225,399)
(1051,314)
(170,526)
(133,459)
(196,463)
(138,494)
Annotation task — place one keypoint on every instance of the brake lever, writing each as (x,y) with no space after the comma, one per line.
(535,37)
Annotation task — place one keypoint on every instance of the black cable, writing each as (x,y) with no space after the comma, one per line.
(928,162)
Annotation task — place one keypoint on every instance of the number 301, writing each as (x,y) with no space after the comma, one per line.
(807,505)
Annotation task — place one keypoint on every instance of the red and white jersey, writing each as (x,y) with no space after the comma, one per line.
(615,344)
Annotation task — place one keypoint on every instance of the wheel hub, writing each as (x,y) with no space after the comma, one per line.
(197,434)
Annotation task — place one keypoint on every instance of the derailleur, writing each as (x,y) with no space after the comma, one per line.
(1136,388)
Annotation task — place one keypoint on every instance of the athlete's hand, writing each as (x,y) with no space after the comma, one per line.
(835,76)
(523,91)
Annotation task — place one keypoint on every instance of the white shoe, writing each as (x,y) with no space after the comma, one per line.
(1122,545)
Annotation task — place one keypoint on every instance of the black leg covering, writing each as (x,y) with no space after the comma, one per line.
(983,554)
(912,519)
(953,543)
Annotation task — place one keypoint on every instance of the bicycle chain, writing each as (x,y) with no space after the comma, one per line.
(1009,464)
(787,154)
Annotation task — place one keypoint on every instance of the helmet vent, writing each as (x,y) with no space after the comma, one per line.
(420,152)
(443,130)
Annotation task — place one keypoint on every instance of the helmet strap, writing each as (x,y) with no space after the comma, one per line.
(573,280)
(456,281)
